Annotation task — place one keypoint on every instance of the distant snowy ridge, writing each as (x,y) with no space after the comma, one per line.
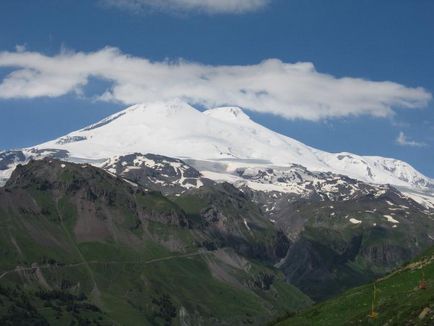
(225,136)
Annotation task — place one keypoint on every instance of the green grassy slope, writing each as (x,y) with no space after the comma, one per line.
(332,254)
(399,300)
(78,246)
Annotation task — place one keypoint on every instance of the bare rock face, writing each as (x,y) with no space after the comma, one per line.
(165,174)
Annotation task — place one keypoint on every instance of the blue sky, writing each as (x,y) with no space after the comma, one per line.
(389,40)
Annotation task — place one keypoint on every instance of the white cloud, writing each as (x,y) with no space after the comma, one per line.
(20,48)
(293,91)
(403,140)
(207,6)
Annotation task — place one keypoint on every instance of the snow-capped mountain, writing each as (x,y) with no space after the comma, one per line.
(218,142)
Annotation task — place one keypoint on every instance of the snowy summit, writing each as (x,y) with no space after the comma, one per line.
(224,135)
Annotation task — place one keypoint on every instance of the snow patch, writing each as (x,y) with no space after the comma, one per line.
(247,225)
(391,219)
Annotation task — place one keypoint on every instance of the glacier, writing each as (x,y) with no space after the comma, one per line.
(218,142)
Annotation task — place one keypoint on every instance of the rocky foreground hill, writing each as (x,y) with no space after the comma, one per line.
(83,244)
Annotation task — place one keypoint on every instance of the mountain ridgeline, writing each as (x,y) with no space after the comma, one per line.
(139,219)
(125,254)
(218,142)
(81,244)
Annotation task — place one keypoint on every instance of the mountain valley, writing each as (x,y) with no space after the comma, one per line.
(141,219)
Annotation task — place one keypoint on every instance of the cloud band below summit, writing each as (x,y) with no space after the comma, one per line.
(290,90)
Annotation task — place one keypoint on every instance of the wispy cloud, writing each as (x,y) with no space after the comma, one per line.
(403,140)
(290,90)
(203,6)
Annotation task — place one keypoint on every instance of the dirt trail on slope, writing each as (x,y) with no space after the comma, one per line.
(109,262)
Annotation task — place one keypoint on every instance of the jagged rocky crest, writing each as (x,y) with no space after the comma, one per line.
(149,223)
